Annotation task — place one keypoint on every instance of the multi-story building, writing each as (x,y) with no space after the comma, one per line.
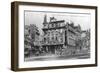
(59,34)
(72,38)
(53,34)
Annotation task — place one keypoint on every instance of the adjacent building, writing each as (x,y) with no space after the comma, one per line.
(86,40)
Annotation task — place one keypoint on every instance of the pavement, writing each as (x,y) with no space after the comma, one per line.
(56,57)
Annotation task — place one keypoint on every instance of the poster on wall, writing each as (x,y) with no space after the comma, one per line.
(52,36)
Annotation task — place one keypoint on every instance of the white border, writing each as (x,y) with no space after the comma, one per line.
(33,64)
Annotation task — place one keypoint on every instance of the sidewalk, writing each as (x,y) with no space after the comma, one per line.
(40,57)
(56,57)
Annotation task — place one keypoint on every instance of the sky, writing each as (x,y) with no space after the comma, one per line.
(37,18)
